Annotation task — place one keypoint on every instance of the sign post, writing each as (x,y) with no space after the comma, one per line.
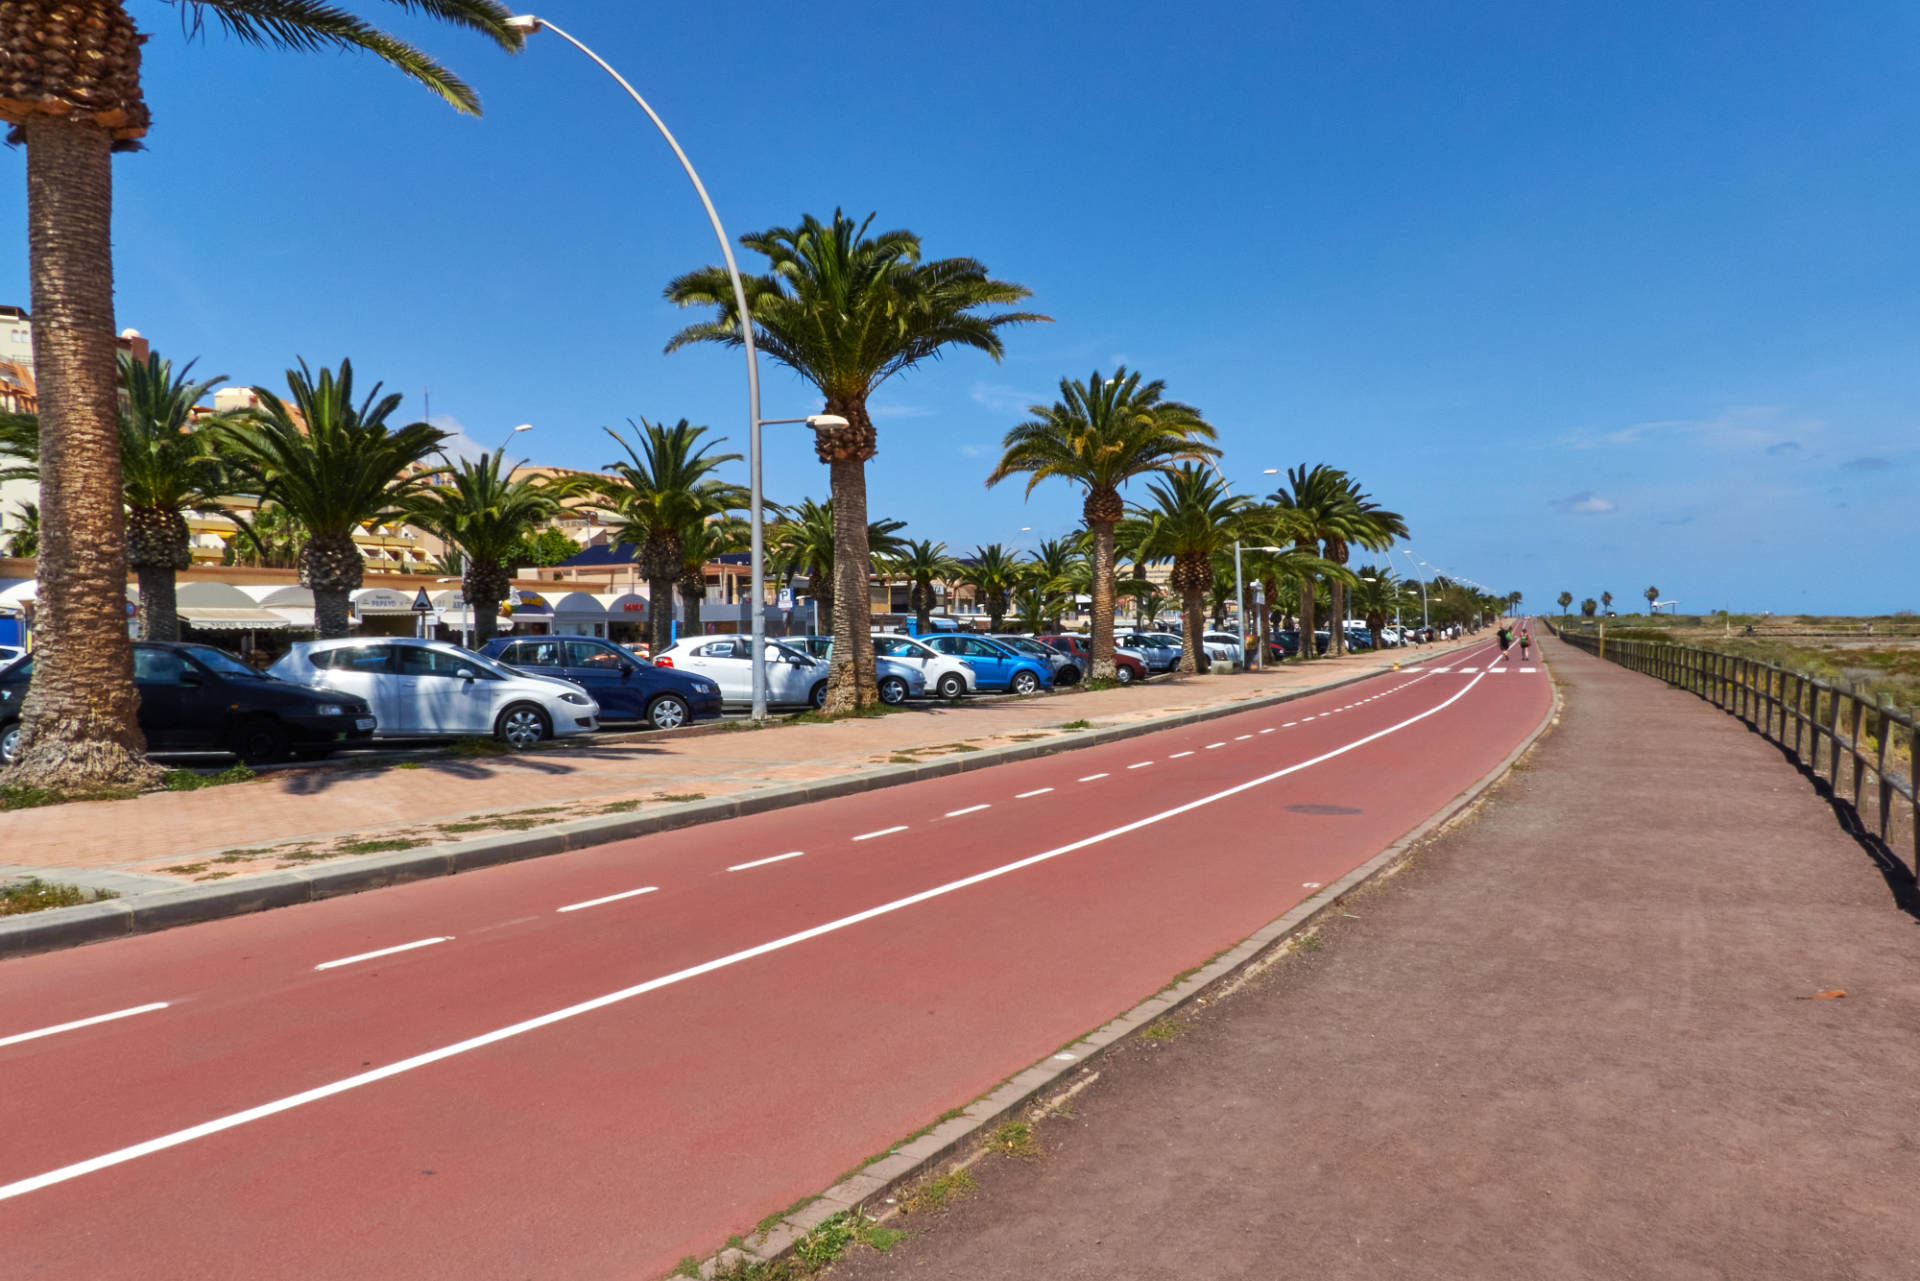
(422,607)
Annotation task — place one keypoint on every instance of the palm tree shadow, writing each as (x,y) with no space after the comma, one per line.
(312,782)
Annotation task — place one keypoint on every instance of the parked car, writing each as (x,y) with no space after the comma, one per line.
(944,674)
(195,698)
(898,681)
(1359,642)
(432,689)
(627,688)
(1065,670)
(1128,666)
(10,652)
(795,678)
(1225,647)
(995,667)
(1163,650)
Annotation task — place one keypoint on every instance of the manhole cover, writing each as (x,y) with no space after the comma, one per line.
(1321,809)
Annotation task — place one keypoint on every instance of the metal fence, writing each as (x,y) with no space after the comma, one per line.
(1863,750)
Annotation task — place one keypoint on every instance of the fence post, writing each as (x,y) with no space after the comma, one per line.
(1884,720)
(1859,763)
(1833,743)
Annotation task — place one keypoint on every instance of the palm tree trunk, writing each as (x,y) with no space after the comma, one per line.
(1193,613)
(159,603)
(485,587)
(1103,667)
(693,594)
(332,620)
(331,568)
(850,681)
(923,606)
(78,726)
(660,592)
(1308,650)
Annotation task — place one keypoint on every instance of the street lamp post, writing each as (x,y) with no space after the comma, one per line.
(528,24)
(1417,563)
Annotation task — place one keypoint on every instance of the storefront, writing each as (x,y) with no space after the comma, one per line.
(223,615)
(627,617)
(456,621)
(531,614)
(579,614)
(384,611)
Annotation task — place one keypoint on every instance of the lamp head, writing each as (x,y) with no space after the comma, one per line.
(525,23)
(821,422)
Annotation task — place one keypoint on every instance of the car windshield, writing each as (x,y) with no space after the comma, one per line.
(789,651)
(223,663)
(461,658)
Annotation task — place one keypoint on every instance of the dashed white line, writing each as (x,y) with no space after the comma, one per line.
(1038,791)
(1211,746)
(1525,670)
(1309,885)
(1289,724)
(1089,778)
(385,951)
(18,1037)
(885,831)
(1238,737)
(1177,755)
(1469,669)
(1139,764)
(971,809)
(610,898)
(762,862)
(1267,730)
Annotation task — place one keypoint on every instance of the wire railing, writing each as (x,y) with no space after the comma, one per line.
(1862,748)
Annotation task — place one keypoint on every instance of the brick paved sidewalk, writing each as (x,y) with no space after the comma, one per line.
(1576,1038)
(297,816)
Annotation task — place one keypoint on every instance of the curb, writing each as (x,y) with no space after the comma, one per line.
(188,905)
(933,1149)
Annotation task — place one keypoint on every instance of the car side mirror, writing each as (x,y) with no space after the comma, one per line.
(627,670)
(464,673)
(190,678)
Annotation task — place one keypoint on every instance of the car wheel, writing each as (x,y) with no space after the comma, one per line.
(668,711)
(1024,683)
(893,691)
(521,726)
(817,696)
(1122,674)
(9,743)
(262,742)
(952,685)
(1068,675)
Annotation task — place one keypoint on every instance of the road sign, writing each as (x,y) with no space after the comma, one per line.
(785,600)
(421,605)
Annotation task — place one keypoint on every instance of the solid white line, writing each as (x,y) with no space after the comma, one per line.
(971,809)
(232,1120)
(18,1037)
(1139,764)
(1089,778)
(385,951)
(762,862)
(1177,755)
(614,898)
(1038,791)
(885,831)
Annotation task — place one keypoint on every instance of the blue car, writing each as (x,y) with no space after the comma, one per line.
(627,688)
(995,666)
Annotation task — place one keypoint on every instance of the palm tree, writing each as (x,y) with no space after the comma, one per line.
(333,466)
(486,514)
(26,534)
(1376,594)
(1060,572)
(1563,600)
(994,574)
(803,541)
(1372,527)
(272,538)
(72,94)
(847,311)
(657,493)
(1192,518)
(922,564)
(1100,435)
(1652,594)
(711,537)
(1606,600)
(1317,509)
(1589,607)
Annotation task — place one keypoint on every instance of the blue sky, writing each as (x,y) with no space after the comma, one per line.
(1597,296)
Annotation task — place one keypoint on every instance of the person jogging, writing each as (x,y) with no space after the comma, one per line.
(1526,640)
(1506,639)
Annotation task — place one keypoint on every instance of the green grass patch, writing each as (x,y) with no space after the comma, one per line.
(241,856)
(1078,725)
(478,747)
(680,796)
(1027,738)
(185,869)
(619,807)
(408,765)
(214,876)
(186,780)
(938,1193)
(903,760)
(379,847)
(1015,1139)
(479,825)
(40,896)
(1163,1030)
(772,1221)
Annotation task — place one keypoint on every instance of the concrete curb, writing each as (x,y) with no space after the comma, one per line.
(928,1152)
(164,909)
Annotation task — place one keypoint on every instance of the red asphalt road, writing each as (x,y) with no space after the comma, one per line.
(611,1142)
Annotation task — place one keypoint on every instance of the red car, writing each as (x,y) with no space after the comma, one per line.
(1127,667)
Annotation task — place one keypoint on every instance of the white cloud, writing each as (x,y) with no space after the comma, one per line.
(458,443)
(1584,503)
(1004,400)
(1738,429)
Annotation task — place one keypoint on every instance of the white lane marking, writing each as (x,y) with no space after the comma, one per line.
(762,862)
(1177,755)
(971,809)
(1416,669)
(645,889)
(1211,746)
(1443,669)
(386,951)
(1289,724)
(1525,670)
(1139,764)
(1066,1056)
(1309,885)
(1496,671)
(1267,730)
(1038,791)
(37,1033)
(1089,778)
(34,1183)
(1469,669)
(885,831)
(1238,737)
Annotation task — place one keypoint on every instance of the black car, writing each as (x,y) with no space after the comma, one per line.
(195,698)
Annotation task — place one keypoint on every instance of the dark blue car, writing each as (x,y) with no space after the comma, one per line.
(627,688)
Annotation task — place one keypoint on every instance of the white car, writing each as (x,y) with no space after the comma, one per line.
(945,675)
(430,689)
(794,678)
(898,681)
(1224,647)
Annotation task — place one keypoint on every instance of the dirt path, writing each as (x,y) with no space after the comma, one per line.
(1573,1039)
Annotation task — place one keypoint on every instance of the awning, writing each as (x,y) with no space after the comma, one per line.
(213,619)
(461,616)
